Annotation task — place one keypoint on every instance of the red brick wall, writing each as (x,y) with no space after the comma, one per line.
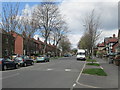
(18,44)
(114,47)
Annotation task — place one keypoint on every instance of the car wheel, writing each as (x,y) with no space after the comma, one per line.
(45,60)
(5,67)
(16,66)
(25,64)
(32,63)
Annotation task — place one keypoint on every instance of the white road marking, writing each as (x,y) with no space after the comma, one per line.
(81,83)
(101,67)
(80,73)
(67,70)
(49,69)
(87,85)
(74,84)
(10,76)
(97,62)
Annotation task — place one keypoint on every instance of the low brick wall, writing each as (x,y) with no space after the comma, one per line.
(117,62)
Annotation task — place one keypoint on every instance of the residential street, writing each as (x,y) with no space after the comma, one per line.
(45,46)
(61,73)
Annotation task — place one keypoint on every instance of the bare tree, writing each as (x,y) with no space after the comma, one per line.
(65,45)
(92,29)
(9,22)
(46,16)
(9,15)
(59,31)
(28,27)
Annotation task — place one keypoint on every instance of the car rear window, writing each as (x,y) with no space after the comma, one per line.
(18,58)
(7,59)
(39,57)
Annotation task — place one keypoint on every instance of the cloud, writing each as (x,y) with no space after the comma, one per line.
(74,39)
(28,9)
(38,36)
(76,10)
(107,33)
(91,0)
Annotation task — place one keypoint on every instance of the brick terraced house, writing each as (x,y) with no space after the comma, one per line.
(19,45)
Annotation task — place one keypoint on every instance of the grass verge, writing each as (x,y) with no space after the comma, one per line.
(95,71)
(91,60)
(93,64)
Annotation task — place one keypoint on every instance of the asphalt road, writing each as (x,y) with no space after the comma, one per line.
(60,73)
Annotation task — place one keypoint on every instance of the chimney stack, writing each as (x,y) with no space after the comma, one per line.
(38,39)
(113,35)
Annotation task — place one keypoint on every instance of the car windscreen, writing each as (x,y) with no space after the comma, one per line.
(80,53)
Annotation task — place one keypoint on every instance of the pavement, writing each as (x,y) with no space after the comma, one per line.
(63,73)
(93,81)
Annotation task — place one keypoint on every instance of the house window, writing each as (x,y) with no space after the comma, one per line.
(6,40)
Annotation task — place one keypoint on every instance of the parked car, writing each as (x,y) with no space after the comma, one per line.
(13,56)
(42,58)
(24,60)
(67,55)
(7,63)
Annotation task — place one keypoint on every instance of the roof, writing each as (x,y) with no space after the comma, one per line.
(101,44)
(110,40)
(116,45)
(15,33)
(113,40)
(37,41)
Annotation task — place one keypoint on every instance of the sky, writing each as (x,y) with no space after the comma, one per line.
(76,10)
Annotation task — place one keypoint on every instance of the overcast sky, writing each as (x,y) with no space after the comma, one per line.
(76,10)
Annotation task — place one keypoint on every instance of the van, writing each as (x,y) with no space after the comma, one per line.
(81,54)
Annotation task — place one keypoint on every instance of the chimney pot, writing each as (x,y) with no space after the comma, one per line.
(113,35)
(38,39)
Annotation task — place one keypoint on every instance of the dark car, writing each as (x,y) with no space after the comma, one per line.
(24,60)
(7,63)
(42,58)
(67,55)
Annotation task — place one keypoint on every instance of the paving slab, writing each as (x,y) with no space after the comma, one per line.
(110,81)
